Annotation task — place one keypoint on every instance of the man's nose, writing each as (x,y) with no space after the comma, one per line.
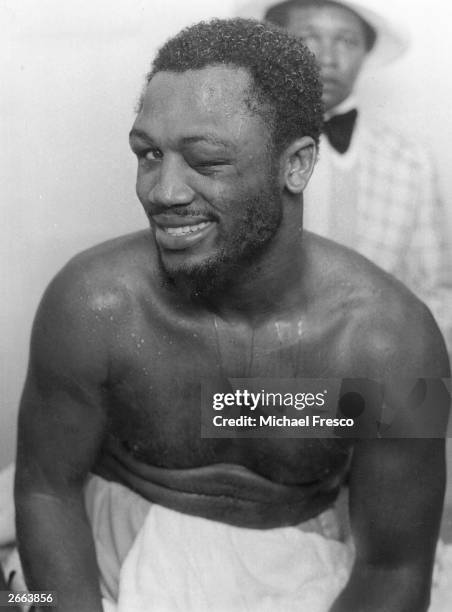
(170,187)
(326,53)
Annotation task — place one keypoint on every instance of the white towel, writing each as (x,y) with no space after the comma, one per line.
(189,564)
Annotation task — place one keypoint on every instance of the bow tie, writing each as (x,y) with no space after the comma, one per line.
(339,130)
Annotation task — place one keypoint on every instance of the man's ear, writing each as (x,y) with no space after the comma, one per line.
(299,161)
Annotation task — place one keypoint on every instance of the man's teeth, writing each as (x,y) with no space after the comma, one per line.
(185,229)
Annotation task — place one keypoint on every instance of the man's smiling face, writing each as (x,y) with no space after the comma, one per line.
(205,172)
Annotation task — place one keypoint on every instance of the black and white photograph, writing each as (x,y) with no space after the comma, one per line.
(226,323)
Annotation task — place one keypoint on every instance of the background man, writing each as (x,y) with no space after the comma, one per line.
(225,285)
(374,190)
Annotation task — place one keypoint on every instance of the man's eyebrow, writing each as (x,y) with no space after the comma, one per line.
(138,133)
(342,30)
(349,30)
(185,140)
(207,138)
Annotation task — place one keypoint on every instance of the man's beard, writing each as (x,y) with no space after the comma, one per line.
(252,234)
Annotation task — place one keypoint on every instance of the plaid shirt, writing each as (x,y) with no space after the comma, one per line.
(380,198)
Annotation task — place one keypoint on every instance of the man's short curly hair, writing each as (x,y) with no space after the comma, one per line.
(285,88)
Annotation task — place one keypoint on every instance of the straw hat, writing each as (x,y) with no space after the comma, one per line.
(392,38)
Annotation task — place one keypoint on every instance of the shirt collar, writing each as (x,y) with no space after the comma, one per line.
(346,105)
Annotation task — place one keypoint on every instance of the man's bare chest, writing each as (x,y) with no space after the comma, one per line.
(155,396)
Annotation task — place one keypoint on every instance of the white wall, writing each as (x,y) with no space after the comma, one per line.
(71,73)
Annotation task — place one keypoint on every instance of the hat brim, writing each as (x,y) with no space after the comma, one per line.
(392,38)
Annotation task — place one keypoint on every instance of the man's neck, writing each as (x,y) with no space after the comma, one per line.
(271,285)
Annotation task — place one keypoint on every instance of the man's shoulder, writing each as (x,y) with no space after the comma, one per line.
(126,253)
(103,279)
(385,325)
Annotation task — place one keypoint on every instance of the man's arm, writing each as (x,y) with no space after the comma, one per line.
(61,426)
(397,483)
(396,495)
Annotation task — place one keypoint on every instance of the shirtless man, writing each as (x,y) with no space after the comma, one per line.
(226,140)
